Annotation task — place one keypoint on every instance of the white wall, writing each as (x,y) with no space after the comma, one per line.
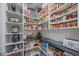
(59,34)
(0,27)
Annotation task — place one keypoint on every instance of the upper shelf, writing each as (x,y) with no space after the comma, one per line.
(14,52)
(62,8)
(64,14)
(31,17)
(13,13)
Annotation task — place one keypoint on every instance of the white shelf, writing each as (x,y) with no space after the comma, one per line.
(31,24)
(14,13)
(29,48)
(43,51)
(12,33)
(19,5)
(62,8)
(14,43)
(14,52)
(30,17)
(14,23)
(44,22)
(35,29)
(64,28)
(64,14)
(64,21)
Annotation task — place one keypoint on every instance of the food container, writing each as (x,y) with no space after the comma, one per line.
(15,29)
(74,23)
(61,25)
(68,24)
(14,19)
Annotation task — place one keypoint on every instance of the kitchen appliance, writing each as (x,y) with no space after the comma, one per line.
(71,43)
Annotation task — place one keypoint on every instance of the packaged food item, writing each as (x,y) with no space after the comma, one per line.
(29,12)
(61,25)
(68,24)
(58,52)
(73,7)
(73,23)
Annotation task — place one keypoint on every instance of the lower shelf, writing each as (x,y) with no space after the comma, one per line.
(14,52)
(65,28)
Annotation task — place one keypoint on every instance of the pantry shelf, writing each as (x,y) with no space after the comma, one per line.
(14,23)
(43,15)
(62,8)
(14,43)
(44,22)
(14,52)
(19,5)
(13,13)
(30,17)
(64,14)
(23,26)
(29,48)
(35,29)
(30,24)
(64,28)
(12,33)
(64,21)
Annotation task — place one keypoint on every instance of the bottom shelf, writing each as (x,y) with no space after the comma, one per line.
(14,52)
(35,52)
